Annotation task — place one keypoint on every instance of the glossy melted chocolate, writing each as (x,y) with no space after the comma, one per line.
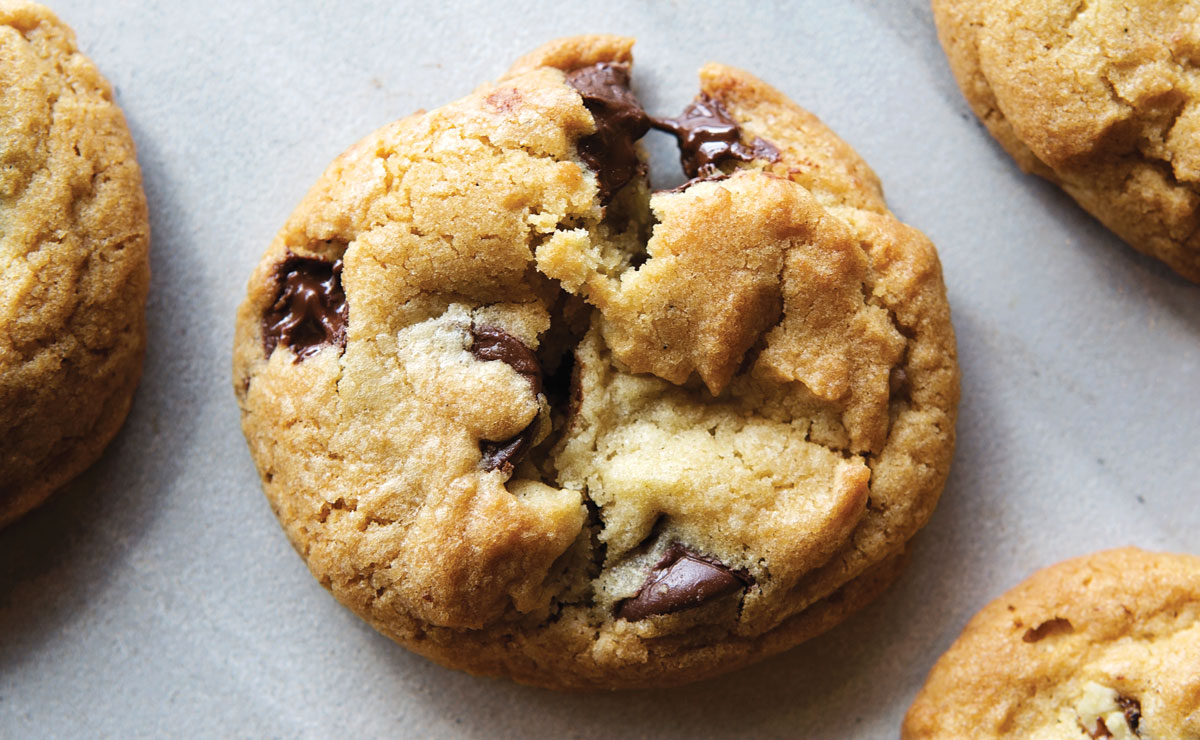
(492,343)
(310,310)
(620,121)
(708,136)
(681,580)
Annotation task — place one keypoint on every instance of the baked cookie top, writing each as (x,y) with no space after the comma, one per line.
(528,418)
(74,269)
(1100,97)
(1106,645)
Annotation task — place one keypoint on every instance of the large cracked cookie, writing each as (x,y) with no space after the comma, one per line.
(74,259)
(1102,98)
(529,419)
(1102,646)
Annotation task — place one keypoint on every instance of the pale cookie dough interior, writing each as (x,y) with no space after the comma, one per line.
(584,435)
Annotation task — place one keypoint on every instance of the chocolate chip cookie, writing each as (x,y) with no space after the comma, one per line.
(74,259)
(1102,98)
(531,419)
(1102,646)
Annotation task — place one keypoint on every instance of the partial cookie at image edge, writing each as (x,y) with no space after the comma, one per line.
(1110,640)
(1110,144)
(75,269)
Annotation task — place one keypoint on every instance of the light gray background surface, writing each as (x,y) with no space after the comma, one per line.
(157,596)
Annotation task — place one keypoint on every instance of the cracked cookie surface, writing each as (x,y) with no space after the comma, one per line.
(1106,645)
(581,434)
(1098,96)
(74,259)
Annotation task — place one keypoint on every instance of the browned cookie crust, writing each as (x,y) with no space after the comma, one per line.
(1102,98)
(1106,645)
(74,259)
(529,419)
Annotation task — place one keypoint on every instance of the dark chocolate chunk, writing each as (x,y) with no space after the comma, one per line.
(1133,712)
(310,309)
(681,580)
(708,136)
(503,455)
(620,121)
(492,343)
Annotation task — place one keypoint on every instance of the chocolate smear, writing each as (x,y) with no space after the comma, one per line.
(310,309)
(682,579)
(620,121)
(1131,708)
(1133,712)
(708,136)
(492,343)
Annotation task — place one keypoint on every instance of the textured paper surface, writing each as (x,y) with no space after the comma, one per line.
(157,596)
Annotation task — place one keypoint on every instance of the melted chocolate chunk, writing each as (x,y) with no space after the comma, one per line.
(708,136)
(681,580)
(620,121)
(503,455)
(310,309)
(492,343)
(1133,712)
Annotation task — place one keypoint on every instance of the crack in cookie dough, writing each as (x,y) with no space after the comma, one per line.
(598,437)
(1102,646)
(1102,98)
(74,260)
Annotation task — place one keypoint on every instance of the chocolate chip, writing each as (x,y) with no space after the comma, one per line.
(708,136)
(503,455)
(492,343)
(681,580)
(310,309)
(764,149)
(1133,712)
(620,121)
